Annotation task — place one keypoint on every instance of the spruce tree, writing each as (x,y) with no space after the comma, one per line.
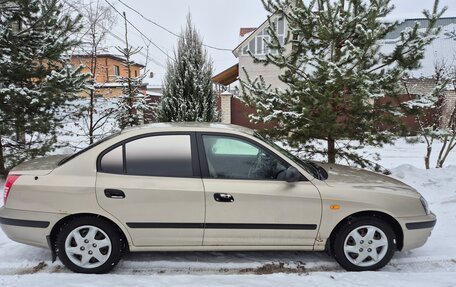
(337,77)
(35,77)
(187,88)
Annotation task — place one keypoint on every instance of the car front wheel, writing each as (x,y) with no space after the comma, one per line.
(89,245)
(364,244)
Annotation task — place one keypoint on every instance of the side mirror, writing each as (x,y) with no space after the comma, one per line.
(292,174)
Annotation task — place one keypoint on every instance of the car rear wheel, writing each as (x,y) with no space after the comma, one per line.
(364,244)
(89,245)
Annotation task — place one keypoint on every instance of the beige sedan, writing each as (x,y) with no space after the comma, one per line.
(182,187)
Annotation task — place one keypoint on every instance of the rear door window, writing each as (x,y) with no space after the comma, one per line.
(165,155)
(161,155)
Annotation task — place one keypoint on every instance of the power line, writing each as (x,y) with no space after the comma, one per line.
(139,31)
(166,29)
(114,35)
(151,21)
(145,55)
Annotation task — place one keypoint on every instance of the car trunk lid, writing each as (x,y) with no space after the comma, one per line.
(39,166)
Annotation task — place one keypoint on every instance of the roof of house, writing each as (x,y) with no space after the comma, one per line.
(244,31)
(443,21)
(227,76)
(153,94)
(409,23)
(110,56)
(440,49)
(248,34)
(116,85)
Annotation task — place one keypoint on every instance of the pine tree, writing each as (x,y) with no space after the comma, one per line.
(337,76)
(187,88)
(35,77)
(132,103)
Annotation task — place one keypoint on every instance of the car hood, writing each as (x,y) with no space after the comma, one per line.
(39,166)
(363,179)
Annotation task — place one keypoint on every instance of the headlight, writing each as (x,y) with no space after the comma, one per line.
(425,205)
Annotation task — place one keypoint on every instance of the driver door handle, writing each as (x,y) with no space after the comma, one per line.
(223,197)
(114,193)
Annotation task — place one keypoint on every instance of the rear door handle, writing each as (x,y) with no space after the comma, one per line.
(114,193)
(223,197)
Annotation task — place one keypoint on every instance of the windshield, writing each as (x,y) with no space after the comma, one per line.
(68,158)
(308,166)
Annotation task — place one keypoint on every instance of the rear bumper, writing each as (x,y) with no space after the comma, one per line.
(24,223)
(28,227)
(417,230)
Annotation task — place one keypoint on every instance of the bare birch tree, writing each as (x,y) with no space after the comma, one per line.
(91,113)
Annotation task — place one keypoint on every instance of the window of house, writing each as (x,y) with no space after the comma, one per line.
(258,45)
(234,158)
(16,24)
(136,73)
(116,70)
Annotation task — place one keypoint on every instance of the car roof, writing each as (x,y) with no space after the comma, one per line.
(191,126)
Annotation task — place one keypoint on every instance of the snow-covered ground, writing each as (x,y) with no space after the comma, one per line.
(432,265)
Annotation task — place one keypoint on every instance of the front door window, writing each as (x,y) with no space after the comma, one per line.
(235,158)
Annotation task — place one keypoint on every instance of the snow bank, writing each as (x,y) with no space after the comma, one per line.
(406,153)
(438,186)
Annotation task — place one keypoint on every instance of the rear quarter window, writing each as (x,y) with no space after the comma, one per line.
(112,162)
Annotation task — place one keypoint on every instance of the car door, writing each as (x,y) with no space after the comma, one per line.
(248,201)
(152,184)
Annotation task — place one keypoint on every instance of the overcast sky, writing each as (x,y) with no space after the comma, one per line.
(218,22)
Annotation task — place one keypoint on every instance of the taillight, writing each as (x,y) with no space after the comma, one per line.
(8,184)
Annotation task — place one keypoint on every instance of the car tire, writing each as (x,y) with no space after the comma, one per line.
(364,244)
(89,245)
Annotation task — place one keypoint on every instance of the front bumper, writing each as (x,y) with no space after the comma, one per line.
(28,227)
(416,230)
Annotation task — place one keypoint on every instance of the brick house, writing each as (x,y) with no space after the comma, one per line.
(251,39)
(109,67)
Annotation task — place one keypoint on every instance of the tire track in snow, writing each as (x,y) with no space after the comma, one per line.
(416,264)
